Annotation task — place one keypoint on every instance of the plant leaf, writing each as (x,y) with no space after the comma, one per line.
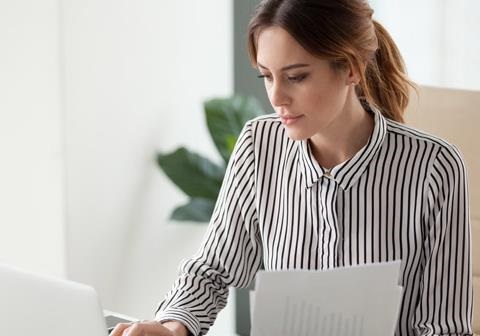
(226,118)
(195,175)
(196,210)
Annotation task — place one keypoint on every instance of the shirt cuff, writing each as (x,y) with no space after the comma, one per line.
(185,317)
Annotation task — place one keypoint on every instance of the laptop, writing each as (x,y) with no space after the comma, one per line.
(32,304)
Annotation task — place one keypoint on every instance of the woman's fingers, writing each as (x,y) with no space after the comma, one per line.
(146,328)
(119,328)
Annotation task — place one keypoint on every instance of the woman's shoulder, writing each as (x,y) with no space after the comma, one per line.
(264,124)
(266,133)
(409,133)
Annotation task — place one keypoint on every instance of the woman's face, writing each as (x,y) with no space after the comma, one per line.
(307,94)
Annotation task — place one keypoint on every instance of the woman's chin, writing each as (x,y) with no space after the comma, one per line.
(295,134)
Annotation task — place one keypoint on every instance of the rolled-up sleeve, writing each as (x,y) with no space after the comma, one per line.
(445,302)
(230,254)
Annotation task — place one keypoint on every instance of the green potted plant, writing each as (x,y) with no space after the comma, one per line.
(197,176)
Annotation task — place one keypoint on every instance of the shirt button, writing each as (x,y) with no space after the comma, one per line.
(327,174)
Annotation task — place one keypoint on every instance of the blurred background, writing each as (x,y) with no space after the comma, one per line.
(91,90)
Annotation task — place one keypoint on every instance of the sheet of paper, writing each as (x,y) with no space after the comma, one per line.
(353,301)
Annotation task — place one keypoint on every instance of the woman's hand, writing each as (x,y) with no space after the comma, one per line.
(150,328)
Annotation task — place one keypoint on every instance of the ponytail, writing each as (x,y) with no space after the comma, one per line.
(386,84)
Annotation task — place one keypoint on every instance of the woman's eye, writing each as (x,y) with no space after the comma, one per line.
(266,77)
(297,79)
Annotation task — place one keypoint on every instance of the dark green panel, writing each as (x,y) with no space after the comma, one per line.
(245,77)
(247,83)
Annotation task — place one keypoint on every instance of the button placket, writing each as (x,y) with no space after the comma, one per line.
(330,188)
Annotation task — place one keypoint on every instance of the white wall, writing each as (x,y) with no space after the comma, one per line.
(462,52)
(136,74)
(31,160)
(438,39)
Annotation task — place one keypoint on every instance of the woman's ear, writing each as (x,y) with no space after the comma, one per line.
(353,76)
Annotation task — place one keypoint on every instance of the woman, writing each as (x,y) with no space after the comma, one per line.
(332,178)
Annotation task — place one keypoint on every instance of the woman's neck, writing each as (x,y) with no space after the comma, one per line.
(345,136)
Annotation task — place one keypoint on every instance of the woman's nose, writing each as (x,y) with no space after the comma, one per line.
(278,96)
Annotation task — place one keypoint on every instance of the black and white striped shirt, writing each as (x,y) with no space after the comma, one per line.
(402,196)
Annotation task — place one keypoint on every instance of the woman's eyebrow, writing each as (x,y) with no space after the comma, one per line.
(288,67)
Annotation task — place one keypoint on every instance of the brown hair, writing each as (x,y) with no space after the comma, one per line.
(343,32)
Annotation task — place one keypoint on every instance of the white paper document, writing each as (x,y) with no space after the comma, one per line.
(351,301)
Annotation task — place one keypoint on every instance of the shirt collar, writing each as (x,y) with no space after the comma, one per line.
(348,172)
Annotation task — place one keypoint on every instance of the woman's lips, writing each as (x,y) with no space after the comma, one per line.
(289,120)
